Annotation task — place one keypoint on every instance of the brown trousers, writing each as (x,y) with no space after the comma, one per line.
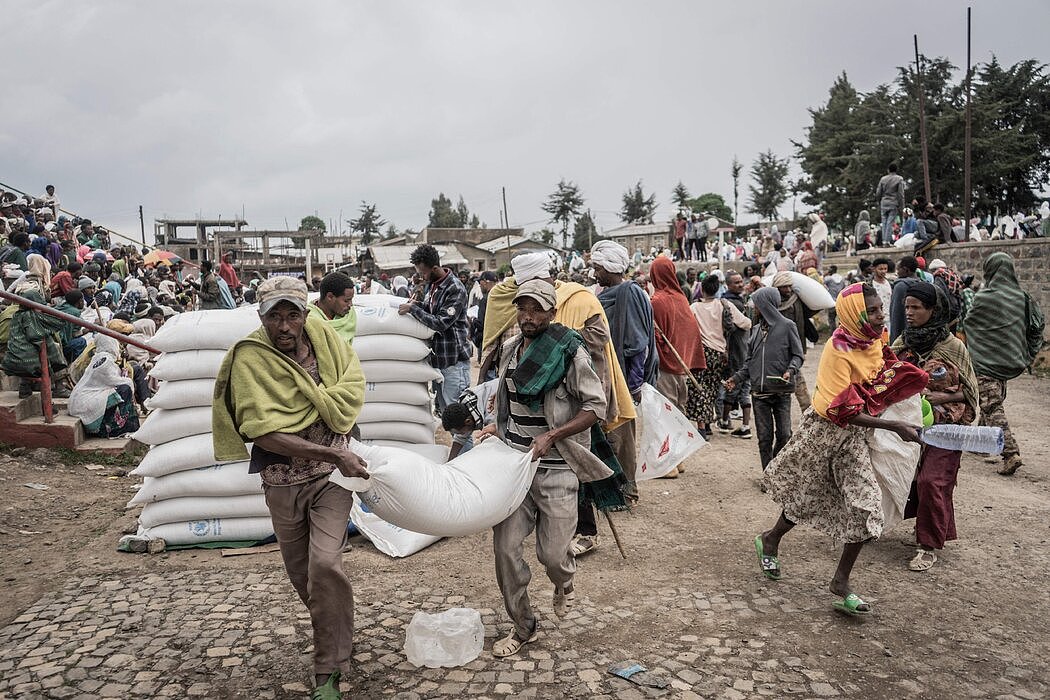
(310,523)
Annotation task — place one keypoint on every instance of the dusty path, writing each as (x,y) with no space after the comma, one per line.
(85,621)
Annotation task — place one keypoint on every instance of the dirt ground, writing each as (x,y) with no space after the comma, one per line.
(976,617)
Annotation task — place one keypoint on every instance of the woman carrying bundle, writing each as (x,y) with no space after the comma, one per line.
(824,476)
(104,399)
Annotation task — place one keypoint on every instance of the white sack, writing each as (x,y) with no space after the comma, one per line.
(415,433)
(164,425)
(182,394)
(388,539)
(894,460)
(905,241)
(391,301)
(395,371)
(175,510)
(179,455)
(216,329)
(390,347)
(413,394)
(471,493)
(665,436)
(812,293)
(217,480)
(384,320)
(396,413)
(188,364)
(214,530)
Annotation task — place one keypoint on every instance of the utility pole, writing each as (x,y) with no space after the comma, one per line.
(922,119)
(506,216)
(966,151)
(142,221)
(590,231)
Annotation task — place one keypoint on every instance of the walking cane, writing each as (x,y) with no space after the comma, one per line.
(615,534)
(688,371)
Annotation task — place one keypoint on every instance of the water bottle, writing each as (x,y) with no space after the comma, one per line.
(450,638)
(939,373)
(967,438)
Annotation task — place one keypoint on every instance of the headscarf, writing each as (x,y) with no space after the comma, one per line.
(996,323)
(610,256)
(854,332)
(672,315)
(96,390)
(39,245)
(530,266)
(400,282)
(783,279)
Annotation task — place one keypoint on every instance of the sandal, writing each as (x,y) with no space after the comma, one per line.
(328,691)
(922,562)
(511,645)
(563,601)
(582,544)
(770,565)
(851,605)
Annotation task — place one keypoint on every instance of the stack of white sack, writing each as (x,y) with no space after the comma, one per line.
(394,351)
(189,497)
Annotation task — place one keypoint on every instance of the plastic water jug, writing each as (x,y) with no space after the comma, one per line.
(983,439)
(450,638)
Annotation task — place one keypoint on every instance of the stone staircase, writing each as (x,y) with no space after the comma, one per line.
(22,425)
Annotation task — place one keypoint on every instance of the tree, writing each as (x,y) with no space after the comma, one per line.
(734,170)
(462,213)
(637,208)
(367,223)
(442,215)
(585,233)
(309,223)
(711,203)
(680,196)
(391,231)
(475,222)
(544,235)
(564,206)
(770,189)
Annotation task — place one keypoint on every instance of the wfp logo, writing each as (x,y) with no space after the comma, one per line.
(665,447)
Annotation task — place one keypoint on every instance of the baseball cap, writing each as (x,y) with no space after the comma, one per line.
(277,289)
(540,290)
(488,276)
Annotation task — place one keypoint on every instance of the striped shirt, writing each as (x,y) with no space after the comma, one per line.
(524,424)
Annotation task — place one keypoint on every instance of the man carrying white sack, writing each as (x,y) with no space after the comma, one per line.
(549,399)
(295,388)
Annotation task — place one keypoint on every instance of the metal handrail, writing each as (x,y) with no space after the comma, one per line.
(51,311)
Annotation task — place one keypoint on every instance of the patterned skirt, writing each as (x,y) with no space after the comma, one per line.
(703,402)
(824,477)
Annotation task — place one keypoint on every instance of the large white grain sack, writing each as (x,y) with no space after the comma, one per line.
(665,436)
(216,329)
(175,510)
(182,394)
(812,293)
(213,530)
(471,493)
(415,433)
(395,371)
(188,364)
(384,320)
(894,461)
(396,412)
(217,480)
(391,301)
(179,455)
(411,393)
(167,424)
(389,539)
(390,347)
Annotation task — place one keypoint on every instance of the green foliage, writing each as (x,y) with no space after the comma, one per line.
(544,235)
(475,222)
(585,233)
(770,189)
(680,196)
(308,223)
(442,215)
(564,206)
(367,223)
(462,213)
(711,203)
(391,231)
(637,208)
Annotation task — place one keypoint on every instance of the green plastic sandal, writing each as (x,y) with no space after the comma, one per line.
(850,605)
(328,691)
(770,565)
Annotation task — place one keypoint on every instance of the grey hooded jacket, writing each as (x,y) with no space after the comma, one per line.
(773,348)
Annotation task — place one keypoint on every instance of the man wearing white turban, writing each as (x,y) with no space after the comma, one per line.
(500,313)
(611,256)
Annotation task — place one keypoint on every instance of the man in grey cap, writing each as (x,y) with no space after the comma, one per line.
(294,388)
(548,397)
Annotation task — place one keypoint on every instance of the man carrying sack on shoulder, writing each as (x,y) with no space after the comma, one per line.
(549,400)
(295,388)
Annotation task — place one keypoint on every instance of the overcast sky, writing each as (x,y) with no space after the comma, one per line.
(285,109)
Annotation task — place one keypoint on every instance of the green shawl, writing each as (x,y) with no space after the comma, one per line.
(345,326)
(544,363)
(261,390)
(996,324)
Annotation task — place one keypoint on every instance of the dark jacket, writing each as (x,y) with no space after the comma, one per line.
(773,348)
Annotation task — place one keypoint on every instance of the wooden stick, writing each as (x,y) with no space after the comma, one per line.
(243,551)
(615,534)
(688,372)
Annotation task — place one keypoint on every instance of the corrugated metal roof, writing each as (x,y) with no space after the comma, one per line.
(637,230)
(396,257)
(500,243)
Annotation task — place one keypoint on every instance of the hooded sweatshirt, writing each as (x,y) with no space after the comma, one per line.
(862,227)
(773,348)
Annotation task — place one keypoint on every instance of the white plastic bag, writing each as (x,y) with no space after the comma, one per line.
(665,436)
(812,293)
(894,460)
(183,394)
(213,530)
(188,364)
(471,493)
(164,424)
(446,639)
(389,539)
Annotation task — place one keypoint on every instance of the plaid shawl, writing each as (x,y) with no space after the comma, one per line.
(607,494)
(544,363)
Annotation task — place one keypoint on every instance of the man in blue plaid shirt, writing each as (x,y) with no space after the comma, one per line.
(444,309)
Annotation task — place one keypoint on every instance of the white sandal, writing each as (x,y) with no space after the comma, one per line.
(923,560)
(582,544)
(511,645)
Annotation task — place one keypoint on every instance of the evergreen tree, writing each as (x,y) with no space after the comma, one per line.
(462,213)
(769,190)
(442,215)
(680,196)
(367,223)
(564,206)
(711,203)
(637,208)
(734,170)
(585,233)
(475,222)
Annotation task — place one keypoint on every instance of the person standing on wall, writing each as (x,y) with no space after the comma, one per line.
(890,193)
